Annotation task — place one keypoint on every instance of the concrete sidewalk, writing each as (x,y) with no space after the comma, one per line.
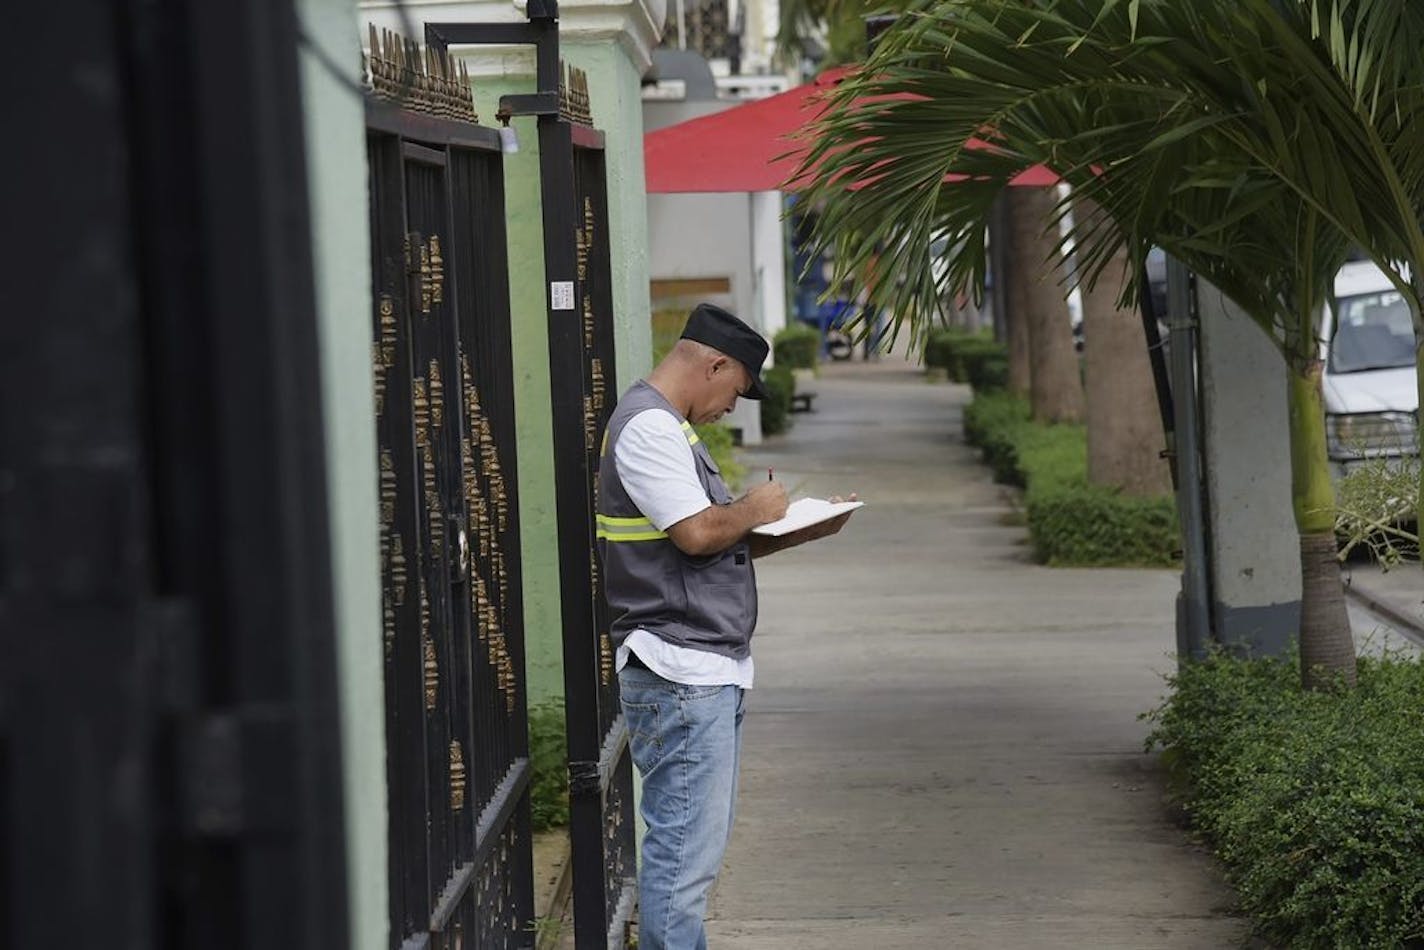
(943,749)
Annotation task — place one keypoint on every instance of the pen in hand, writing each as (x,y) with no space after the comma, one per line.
(769,475)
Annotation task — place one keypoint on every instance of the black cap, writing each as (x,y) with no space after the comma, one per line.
(723,332)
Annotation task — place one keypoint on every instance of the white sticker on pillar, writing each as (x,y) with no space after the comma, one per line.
(561,295)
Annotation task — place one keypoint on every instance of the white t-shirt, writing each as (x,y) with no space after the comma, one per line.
(659,473)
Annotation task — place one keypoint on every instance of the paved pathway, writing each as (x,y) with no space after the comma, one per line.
(943,749)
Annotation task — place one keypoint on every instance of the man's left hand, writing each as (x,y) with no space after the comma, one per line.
(762,546)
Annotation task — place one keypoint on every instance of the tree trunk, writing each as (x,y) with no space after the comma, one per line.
(1125,435)
(1327,648)
(1055,381)
(1019,268)
(1418,319)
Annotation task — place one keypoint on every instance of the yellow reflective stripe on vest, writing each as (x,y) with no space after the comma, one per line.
(616,529)
(692,437)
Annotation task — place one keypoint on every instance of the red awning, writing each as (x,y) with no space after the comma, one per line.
(745,148)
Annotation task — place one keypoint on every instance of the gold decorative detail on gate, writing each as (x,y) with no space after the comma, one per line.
(427,291)
(457,776)
(388,489)
(378,370)
(590,424)
(383,349)
(437,398)
(437,271)
(417,77)
(581,242)
(506,678)
(478,599)
(420,411)
(575,104)
(388,624)
(599,389)
(399,576)
(605,658)
(430,665)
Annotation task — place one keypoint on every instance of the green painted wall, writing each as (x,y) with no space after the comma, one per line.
(533,418)
(616,91)
(336,164)
(617,109)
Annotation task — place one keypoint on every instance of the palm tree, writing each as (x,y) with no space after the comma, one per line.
(1361,59)
(1038,314)
(1095,90)
(1123,421)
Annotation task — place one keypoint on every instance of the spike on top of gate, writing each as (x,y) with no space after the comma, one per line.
(417,77)
(574,102)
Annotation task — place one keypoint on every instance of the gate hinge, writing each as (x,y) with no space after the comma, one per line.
(584,778)
(236,771)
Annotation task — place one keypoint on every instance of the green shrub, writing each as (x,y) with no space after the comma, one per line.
(1090,526)
(667,324)
(718,438)
(776,407)
(986,365)
(972,358)
(992,422)
(548,758)
(1314,801)
(796,346)
(939,352)
(1070,522)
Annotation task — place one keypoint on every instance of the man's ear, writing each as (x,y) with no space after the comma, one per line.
(718,364)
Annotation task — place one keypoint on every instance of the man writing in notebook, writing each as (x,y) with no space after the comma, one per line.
(677,555)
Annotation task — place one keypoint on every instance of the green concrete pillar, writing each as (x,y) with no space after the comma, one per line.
(340,224)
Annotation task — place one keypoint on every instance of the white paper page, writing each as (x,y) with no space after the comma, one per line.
(804,512)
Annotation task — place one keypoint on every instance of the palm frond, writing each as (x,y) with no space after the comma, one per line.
(963,96)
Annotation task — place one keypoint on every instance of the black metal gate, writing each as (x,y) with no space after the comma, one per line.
(582,376)
(457,731)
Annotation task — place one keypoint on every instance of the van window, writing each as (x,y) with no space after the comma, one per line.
(1373,332)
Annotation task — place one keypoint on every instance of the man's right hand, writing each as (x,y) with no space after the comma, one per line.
(768,501)
(718,527)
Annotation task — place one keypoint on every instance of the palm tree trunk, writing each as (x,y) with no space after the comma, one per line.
(1055,380)
(1418,317)
(1021,266)
(1125,436)
(1419,437)
(1327,649)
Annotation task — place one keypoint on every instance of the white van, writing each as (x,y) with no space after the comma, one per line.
(1371,391)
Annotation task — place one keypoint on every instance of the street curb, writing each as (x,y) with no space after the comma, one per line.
(1409,626)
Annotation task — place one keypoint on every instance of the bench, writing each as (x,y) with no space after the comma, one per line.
(801,402)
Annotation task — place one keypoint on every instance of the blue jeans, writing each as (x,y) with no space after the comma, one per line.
(686,742)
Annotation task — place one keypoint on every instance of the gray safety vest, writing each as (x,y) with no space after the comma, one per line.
(707,603)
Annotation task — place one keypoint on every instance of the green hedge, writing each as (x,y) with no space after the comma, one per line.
(968,358)
(796,346)
(718,438)
(776,408)
(987,368)
(1314,801)
(548,760)
(1070,522)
